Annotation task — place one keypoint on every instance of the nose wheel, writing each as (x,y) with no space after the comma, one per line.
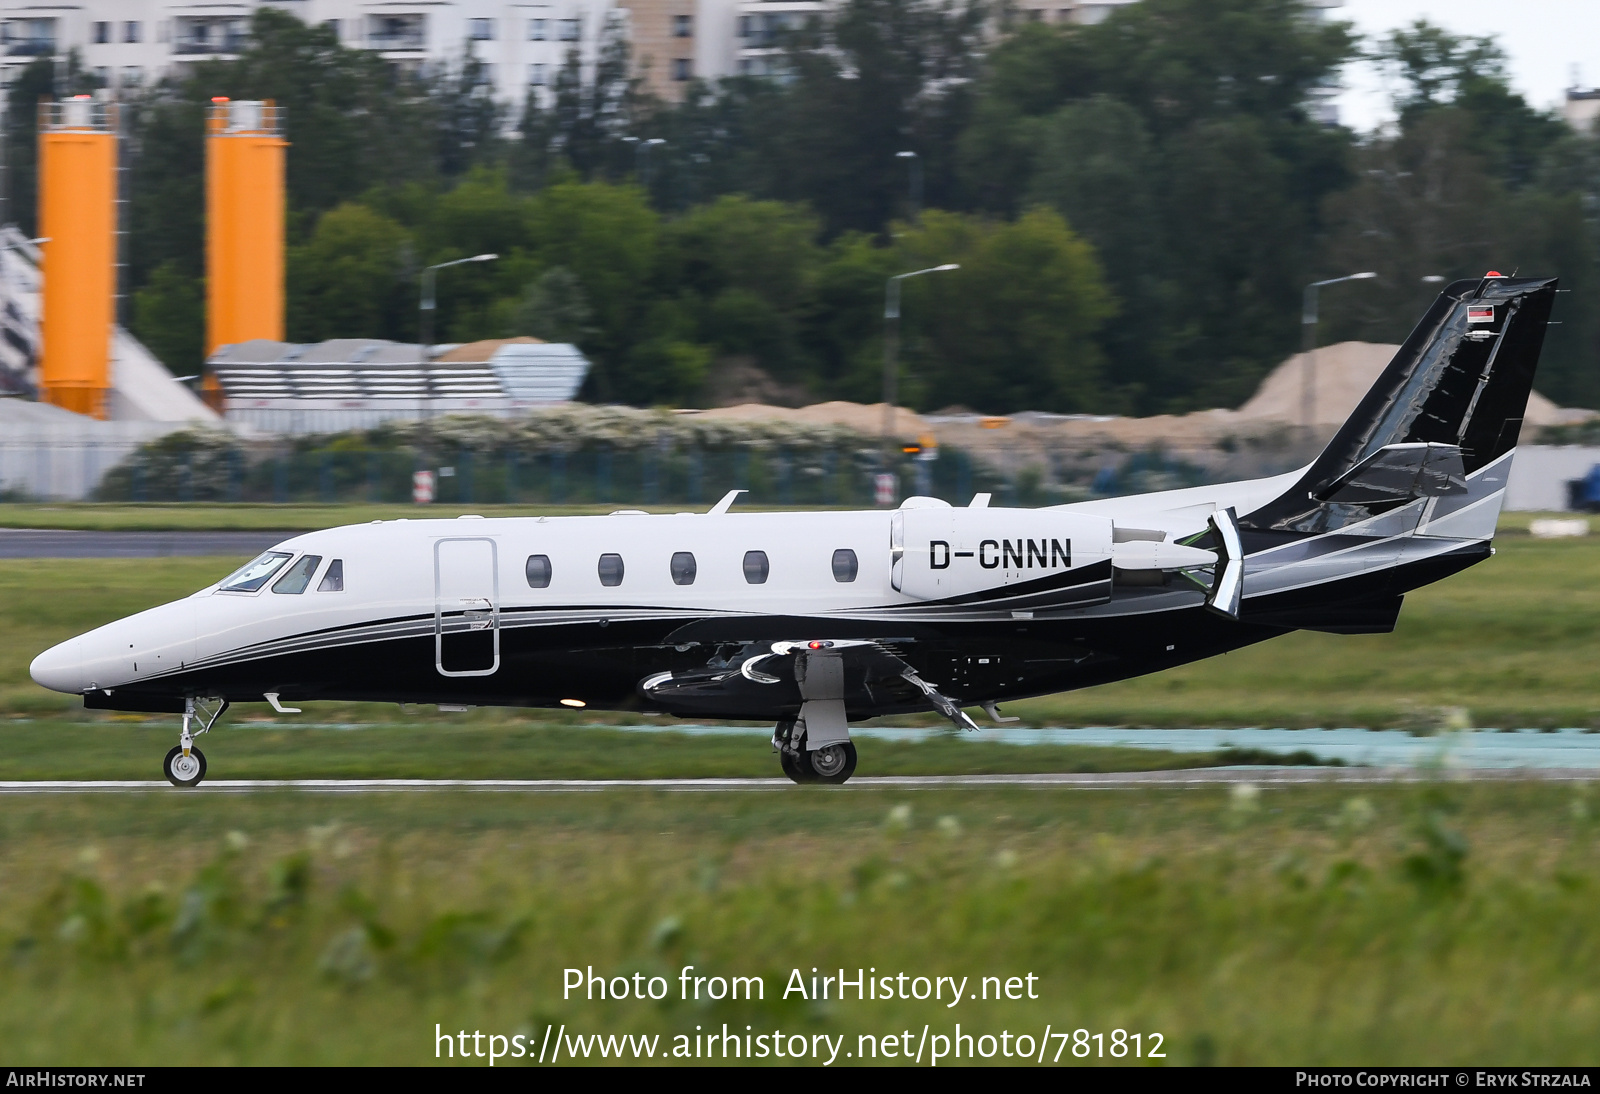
(185,768)
(185,765)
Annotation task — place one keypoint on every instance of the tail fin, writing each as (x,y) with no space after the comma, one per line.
(1461,379)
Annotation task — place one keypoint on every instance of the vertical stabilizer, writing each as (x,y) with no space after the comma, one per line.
(1461,380)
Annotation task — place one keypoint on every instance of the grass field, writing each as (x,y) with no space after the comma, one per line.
(1513,642)
(1443,925)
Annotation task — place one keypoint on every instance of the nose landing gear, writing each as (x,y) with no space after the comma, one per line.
(833,763)
(185,765)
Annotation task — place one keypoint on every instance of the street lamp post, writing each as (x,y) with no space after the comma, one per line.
(891,349)
(429,305)
(641,158)
(1308,327)
(914,182)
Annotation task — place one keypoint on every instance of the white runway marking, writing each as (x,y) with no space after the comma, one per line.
(1196,778)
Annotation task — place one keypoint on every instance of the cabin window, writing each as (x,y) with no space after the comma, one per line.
(538,571)
(755,567)
(683,568)
(333,580)
(845,566)
(611,570)
(250,577)
(297,577)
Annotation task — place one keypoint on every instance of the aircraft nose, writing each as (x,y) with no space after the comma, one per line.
(60,668)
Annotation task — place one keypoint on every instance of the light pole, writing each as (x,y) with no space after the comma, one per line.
(429,305)
(1308,327)
(891,349)
(914,183)
(641,158)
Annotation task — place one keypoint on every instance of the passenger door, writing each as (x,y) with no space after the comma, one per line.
(466,607)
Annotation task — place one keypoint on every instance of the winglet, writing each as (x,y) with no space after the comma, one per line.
(979,501)
(726,503)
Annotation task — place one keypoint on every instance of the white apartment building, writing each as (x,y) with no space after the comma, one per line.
(524,43)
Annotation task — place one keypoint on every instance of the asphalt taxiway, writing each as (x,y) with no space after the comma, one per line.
(71,543)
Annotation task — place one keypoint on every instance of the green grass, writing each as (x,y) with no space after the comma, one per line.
(1448,926)
(1514,641)
(438,749)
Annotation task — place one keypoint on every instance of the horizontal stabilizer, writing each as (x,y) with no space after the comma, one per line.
(1400,473)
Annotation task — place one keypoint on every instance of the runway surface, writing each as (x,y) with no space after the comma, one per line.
(1193,779)
(63,543)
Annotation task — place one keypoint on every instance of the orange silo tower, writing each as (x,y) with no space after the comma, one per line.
(244,223)
(78,219)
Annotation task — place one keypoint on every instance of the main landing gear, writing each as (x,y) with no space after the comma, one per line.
(185,765)
(833,763)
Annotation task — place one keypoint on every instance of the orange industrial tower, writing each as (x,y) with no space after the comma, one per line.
(78,220)
(244,223)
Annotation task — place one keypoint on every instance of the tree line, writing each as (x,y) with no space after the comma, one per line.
(1135,205)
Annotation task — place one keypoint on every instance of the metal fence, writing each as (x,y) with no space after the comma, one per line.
(59,470)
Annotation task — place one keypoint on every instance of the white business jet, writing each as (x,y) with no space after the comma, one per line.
(816,620)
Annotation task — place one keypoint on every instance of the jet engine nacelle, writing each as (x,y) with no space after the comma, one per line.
(943,552)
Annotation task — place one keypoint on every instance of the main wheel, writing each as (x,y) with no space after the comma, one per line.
(188,770)
(832,763)
(796,768)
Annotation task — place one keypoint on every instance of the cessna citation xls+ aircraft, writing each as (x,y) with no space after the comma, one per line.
(815,620)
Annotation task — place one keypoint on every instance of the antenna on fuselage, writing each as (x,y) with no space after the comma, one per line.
(726,503)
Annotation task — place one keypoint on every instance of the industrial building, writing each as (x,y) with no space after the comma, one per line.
(357,383)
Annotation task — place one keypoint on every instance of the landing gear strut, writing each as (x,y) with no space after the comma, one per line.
(833,763)
(185,765)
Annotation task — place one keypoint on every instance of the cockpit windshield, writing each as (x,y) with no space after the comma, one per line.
(250,578)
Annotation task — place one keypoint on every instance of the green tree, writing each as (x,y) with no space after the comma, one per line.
(351,279)
(35,81)
(842,323)
(352,120)
(1175,135)
(608,236)
(166,188)
(590,110)
(749,265)
(876,78)
(1424,205)
(1239,248)
(1473,179)
(1015,328)
(1098,166)
(554,307)
(1434,69)
(169,317)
